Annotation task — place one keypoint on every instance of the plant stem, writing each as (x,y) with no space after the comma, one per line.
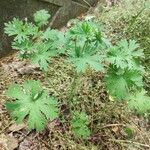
(85,44)
(74,86)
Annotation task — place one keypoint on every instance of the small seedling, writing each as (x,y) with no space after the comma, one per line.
(79,124)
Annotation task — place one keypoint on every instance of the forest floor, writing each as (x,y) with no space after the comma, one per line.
(112,125)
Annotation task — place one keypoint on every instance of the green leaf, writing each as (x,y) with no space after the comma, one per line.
(85,46)
(22,31)
(55,39)
(119,82)
(86,29)
(79,124)
(140,102)
(82,63)
(42,55)
(129,131)
(31,103)
(125,54)
(15,91)
(41,17)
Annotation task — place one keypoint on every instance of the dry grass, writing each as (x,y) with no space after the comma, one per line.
(111,124)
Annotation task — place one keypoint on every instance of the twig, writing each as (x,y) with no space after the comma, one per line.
(112,125)
(3,130)
(127,141)
(87,3)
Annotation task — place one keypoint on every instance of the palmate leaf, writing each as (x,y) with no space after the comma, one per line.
(84,46)
(31,103)
(140,102)
(41,17)
(86,30)
(20,30)
(55,38)
(119,82)
(82,63)
(79,124)
(125,54)
(42,54)
(25,48)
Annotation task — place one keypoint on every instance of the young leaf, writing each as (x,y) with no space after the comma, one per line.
(42,55)
(125,54)
(139,101)
(85,45)
(41,17)
(55,39)
(79,124)
(33,103)
(82,63)
(21,31)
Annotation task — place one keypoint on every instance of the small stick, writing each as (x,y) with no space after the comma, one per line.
(127,141)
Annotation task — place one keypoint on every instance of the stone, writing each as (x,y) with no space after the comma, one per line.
(61,11)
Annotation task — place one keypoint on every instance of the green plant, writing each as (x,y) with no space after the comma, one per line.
(124,79)
(125,55)
(33,43)
(129,19)
(85,48)
(32,103)
(79,124)
(41,17)
(139,101)
(121,82)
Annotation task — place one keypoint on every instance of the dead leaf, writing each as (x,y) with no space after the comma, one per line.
(8,142)
(115,129)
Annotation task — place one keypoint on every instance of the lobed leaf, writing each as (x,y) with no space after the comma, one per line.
(35,105)
(41,17)
(79,124)
(120,82)
(125,54)
(139,101)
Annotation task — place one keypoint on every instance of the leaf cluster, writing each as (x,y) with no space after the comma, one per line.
(32,41)
(139,101)
(85,47)
(124,79)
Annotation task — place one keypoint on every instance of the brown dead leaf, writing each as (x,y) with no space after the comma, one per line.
(8,142)
(115,129)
